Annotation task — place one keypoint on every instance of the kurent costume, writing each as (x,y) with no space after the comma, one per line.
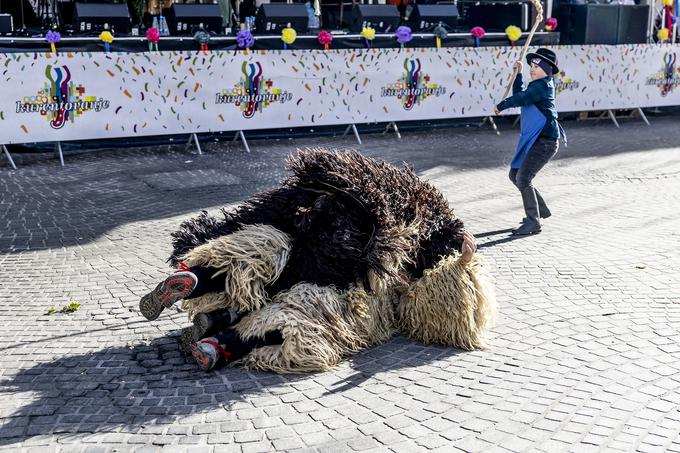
(539,136)
(344,254)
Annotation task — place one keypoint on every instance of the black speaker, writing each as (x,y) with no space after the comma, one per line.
(93,17)
(65,11)
(274,17)
(495,17)
(588,24)
(22,13)
(426,17)
(6,24)
(633,24)
(185,19)
(384,18)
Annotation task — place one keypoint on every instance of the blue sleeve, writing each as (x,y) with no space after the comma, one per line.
(517,84)
(531,95)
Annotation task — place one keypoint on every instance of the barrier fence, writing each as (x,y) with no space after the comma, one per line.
(76,96)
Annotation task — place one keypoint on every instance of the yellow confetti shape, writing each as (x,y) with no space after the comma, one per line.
(25,129)
(221,117)
(127,93)
(134,68)
(197,87)
(110,73)
(294,68)
(308,87)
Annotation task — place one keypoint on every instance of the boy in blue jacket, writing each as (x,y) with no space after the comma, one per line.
(540,134)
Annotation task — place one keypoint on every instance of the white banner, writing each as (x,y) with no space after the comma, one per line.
(94,95)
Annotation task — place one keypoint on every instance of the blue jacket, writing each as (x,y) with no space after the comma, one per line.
(541,93)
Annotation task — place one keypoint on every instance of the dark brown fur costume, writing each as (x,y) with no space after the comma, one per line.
(346,252)
(346,214)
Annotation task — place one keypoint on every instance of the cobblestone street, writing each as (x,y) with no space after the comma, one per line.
(585,355)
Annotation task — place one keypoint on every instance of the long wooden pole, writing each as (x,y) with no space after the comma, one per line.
(537,21)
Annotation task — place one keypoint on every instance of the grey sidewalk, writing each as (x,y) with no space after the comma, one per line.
(585,355)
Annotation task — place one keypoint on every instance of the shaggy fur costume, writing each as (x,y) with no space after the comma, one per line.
(320,325)
(451,304)
(248,259)
(349,250)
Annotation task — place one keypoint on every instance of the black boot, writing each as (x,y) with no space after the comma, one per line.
(542,207)
(532,225)
(209,323)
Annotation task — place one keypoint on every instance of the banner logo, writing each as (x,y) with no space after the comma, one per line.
(253,93)
(60,101)
(564,83)
(414,87)
(668,78)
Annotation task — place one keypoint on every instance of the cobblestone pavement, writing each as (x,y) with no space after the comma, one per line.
(585,355)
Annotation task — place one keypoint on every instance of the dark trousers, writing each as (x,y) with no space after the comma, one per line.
(206,284)
(228,338)
(540,154)
(237,347)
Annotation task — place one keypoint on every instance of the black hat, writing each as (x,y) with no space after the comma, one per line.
(546,55)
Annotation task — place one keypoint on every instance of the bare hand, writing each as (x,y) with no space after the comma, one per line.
(469,247)
(518,66)
(496,111)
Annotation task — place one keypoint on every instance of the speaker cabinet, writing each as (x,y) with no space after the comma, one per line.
(6,24)
(383,18)
(425,17)
(271,18)
(633,24)
(603,24)
(495,17)
(22,13)
(94,17)
(185,19)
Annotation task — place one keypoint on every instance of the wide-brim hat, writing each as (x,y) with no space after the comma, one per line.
(546,55)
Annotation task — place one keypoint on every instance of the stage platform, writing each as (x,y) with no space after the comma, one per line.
(342,41)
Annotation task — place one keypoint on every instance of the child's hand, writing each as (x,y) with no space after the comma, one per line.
(496,111)
(518,66)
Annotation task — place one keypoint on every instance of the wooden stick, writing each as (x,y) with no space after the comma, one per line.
(539,18)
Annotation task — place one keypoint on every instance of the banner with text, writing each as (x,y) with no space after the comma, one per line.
(76,96)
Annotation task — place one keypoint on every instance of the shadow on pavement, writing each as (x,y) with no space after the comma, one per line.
(127,389)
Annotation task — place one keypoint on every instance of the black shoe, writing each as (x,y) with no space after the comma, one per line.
(527,228)
(209,323)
